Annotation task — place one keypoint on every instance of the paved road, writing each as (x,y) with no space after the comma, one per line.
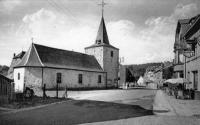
(92,106)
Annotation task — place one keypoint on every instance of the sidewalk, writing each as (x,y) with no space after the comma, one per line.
(184,107)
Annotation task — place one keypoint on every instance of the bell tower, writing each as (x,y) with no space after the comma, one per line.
(106,54)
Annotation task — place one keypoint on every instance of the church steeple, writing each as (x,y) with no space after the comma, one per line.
(102,36)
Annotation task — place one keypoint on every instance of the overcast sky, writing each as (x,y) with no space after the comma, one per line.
(143,30)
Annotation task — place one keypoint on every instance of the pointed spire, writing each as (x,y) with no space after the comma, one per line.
(102,36)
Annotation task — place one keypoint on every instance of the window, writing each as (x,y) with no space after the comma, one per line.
(80,78)
(99,78)
(18,76)
(195,80)
(58,77)
(98,41)
(111,53)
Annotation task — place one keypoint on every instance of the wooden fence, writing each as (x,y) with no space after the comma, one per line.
(6,89)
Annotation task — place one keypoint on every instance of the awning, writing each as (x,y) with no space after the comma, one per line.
(178,81)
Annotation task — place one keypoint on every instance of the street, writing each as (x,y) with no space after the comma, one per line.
(90,106)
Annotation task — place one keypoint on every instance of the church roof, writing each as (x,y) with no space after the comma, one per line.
(102,37)
(20,55)
(43,56)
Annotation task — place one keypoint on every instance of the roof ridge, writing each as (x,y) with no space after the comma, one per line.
(61,49)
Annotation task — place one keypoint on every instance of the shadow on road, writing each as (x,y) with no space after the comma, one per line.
(75,112)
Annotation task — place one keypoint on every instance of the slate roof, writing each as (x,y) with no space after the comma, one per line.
(186,28)
(182,26)
(102,37)
(15,61)
(43,56)
(195,26)
(20,55)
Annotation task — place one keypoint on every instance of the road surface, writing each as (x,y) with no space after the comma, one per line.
(89,106)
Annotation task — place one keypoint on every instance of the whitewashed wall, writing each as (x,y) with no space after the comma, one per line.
(19,83)
(70,78)
(32,77)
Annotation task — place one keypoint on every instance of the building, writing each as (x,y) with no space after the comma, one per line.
(164,72)
(179,46)
(106,54)
(15,61)
(192,54)
(98,68)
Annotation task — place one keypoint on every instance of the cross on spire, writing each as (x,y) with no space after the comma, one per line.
(32,39)
(102,4)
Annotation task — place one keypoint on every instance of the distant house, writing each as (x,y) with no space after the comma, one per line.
(97,68)
(141,81)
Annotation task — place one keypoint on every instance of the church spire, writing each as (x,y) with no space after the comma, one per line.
(102,36)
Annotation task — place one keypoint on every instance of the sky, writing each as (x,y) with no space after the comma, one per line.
(143,30)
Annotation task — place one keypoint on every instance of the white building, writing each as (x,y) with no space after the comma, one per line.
(51,66)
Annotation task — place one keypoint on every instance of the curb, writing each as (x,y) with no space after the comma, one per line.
(30,108)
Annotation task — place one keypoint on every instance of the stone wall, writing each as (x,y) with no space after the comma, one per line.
(33,78)
(70,78)
(111,64)
(97,52)
(108,63)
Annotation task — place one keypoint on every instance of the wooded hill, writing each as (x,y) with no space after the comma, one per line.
(139,69)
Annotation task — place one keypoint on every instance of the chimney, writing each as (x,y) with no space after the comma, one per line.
(14,55)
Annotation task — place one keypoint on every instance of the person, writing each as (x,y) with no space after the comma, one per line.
(65,95)
(176,92)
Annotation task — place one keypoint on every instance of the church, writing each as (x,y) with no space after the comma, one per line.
(98,67)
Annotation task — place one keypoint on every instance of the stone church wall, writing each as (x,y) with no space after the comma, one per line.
(32,77)
(111,65)
(97,52)
(70,78)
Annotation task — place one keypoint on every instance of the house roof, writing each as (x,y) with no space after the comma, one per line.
(43,56)
(195,26)
(102,37)
(182,27)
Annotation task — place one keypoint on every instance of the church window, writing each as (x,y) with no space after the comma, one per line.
(58,77)
(99,78)
(111,53)
(80,78)
(18,76)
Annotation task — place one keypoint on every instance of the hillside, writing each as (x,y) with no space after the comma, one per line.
(4,70)
(139,70)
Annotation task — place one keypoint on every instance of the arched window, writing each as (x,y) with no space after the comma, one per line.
(111,54)
(18,76)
